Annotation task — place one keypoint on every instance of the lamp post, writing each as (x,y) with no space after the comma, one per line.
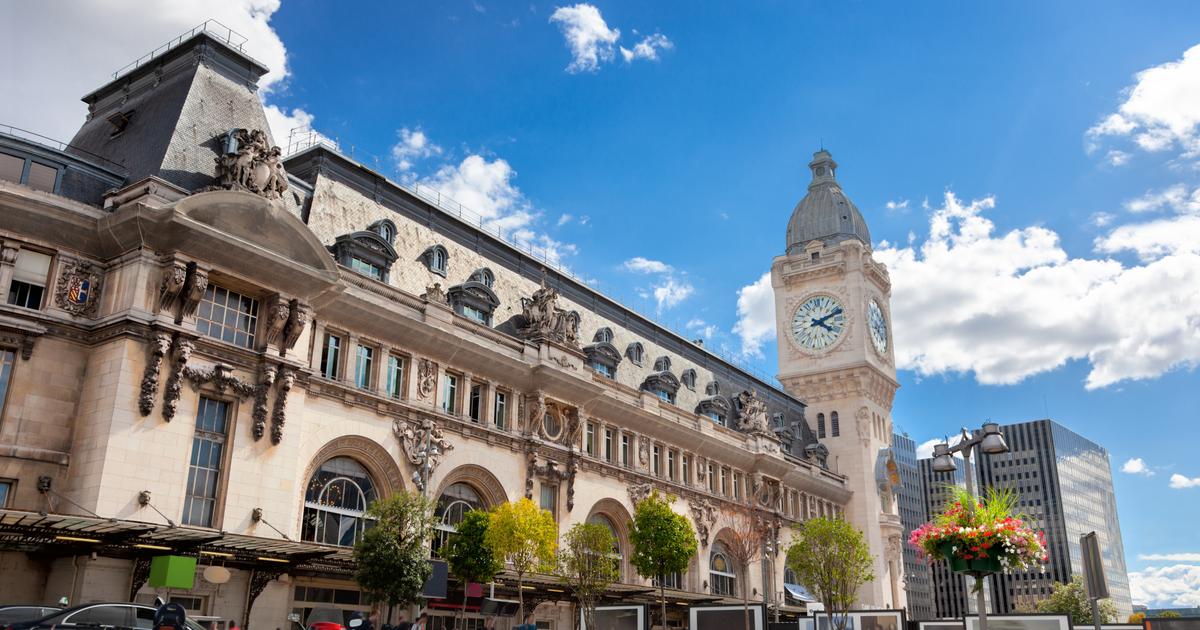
(990,441)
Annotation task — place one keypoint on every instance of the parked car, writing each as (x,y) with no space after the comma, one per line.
(115,614)
(325,619)
(13,613)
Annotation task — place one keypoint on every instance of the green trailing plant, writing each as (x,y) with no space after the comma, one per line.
(586,566)
(663,542)
(525,537)
(468,554)
(833,560)
(392,557)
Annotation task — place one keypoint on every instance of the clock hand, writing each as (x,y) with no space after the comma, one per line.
(821,323)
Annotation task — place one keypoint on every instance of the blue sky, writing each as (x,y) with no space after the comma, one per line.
(1037,199)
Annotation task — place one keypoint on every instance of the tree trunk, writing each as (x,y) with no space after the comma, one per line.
(746,601)
(462,617)
(521,597)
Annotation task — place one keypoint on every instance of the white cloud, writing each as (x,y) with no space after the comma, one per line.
(41,93)
(756,316)
(671,292)
(925,449)
(589,37)
(638,264)
(485,187)
(564,219)
(647,48)
(1136,466)
(704,329)
(412,145)
(1154,239)
(1170,557)
(1166,587)
(896,205)
(1159,110)
(1102,219)
(1176,198)
(1116,157)
(1180,482)
(1007,306)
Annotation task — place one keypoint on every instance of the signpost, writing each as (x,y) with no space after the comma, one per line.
(1093,573)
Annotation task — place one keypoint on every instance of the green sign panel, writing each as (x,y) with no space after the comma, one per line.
(172,572)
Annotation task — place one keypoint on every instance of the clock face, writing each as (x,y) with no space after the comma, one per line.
(819,322)
(877,326)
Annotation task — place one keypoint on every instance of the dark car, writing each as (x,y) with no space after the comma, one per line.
(13,613)
(117,614)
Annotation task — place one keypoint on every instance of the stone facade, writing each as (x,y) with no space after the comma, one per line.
(208,356)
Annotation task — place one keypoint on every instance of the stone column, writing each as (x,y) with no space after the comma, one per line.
(8,259)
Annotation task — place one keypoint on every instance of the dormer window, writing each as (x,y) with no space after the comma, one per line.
(602,355)
(662,364)
(662,384)
(385,229)
(473,299)
(712,389)
(688,378)
(484,276)
(716,407)
(436,259)
(634,353)
(365,252)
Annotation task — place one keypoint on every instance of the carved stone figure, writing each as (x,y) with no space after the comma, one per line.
(221,377)
(644,450)
(183,352)
(78,288)
(544,320)
(298,317)
(160,345)
(536,403)
(639,491)
(279,311)
(426,378)
(265,381)
(703,515)
(171,286)
(193,290)
(435,294)
(412,442)
(248,163)
(863,417)
(286,379)
(573,429)
(752,413)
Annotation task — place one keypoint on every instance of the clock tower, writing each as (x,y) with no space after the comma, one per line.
(832,314)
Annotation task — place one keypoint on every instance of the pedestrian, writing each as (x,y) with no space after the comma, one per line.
(403,623)
(422,621)
(233,625)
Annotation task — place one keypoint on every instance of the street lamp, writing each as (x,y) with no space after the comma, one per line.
(990,441)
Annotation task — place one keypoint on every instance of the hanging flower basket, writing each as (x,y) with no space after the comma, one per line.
(981,537)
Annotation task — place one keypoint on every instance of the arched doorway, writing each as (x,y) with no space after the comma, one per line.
(335,502)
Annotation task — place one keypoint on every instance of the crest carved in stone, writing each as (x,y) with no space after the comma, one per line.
(249,163)
(78,288)
(412,439)
(752,413)
(426,378)
(639,491)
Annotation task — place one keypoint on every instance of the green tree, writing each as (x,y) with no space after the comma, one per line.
(1071,599)
(1166,614)
(832,559)
(663,542)
(392,557)
(586,565)
(525,537)
(468,554)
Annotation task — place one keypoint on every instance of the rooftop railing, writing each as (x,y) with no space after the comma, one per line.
(217,30)
(58,145)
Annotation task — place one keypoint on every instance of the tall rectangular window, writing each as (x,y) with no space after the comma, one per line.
(228,316)
(500,410)
(450,394)
(656,460)
(330,355)
(589,439)
(7,360)
(712,479)
(624,450)
(208,457)
(364,363)
(725,481)
(737,485)
(549,499)
(671,465)
(687,470)
(395,376)
(475,402)
(608,445)
(6,490)
(29,279)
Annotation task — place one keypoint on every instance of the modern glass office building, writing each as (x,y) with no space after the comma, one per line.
(910,498)
(1065,483)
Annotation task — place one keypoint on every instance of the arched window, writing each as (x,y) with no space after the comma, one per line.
(454,503)
(335,502)
(601,519)
(437,259)
(634,352)
(833,423)
(484,276)
(722,577)
(688,378)
(821,426)
(604,335)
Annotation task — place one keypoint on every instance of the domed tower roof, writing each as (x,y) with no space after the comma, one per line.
(825,213)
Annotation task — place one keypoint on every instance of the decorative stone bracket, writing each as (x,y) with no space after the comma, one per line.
(20,334)
(266,378)
(182,287)
(181,351)
(160,345)
(550,470)
(287,378)
(221,377)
